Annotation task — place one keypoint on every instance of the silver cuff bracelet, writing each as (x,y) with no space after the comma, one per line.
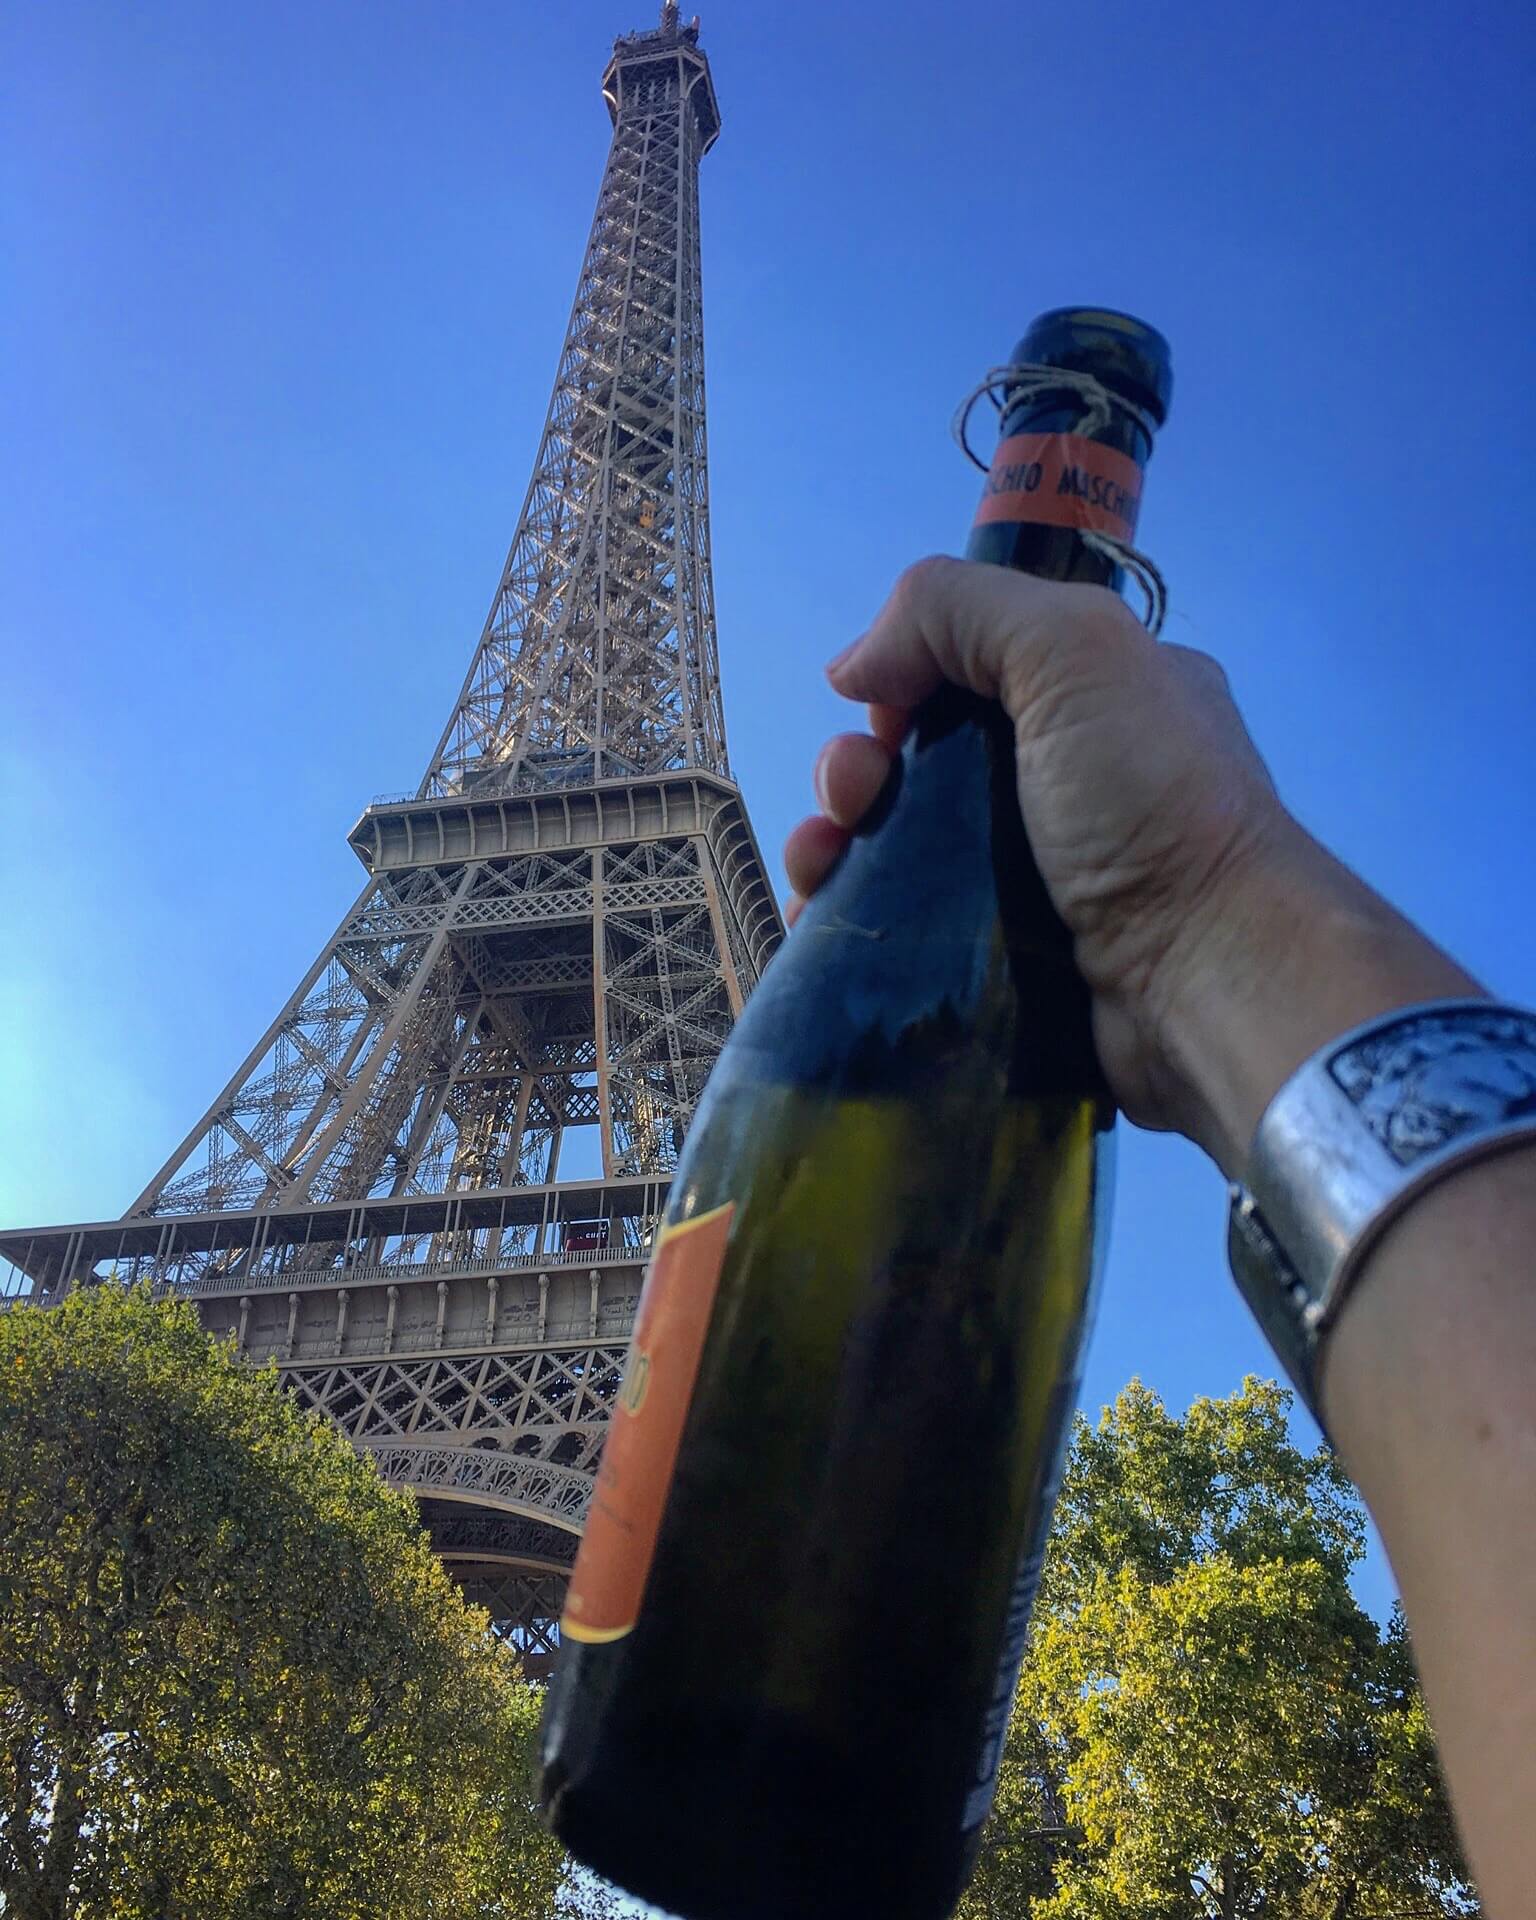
(1354,1134)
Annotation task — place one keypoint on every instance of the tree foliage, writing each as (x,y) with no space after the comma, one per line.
(1209,1727)
(235,1683)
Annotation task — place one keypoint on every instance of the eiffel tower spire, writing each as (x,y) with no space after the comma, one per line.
(429,1188)
(599,660)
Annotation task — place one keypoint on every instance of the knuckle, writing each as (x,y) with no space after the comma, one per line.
(1097,618)
(917,584)
(1199,666)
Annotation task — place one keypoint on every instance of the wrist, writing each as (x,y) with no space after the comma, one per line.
(1293,950)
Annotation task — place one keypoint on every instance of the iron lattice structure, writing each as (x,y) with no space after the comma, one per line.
(429,1188)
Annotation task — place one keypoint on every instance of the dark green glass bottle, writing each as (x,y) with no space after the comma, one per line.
(794,1627)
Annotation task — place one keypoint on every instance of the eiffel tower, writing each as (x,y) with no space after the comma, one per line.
(429,1188)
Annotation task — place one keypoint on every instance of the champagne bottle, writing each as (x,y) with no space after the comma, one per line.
(792,1634)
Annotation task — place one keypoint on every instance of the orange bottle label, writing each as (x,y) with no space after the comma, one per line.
(646,1429)
(1062,480)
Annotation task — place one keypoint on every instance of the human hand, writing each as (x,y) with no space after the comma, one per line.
(1220,942)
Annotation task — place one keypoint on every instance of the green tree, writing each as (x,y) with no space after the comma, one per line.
(235,1683)
(1209,1727)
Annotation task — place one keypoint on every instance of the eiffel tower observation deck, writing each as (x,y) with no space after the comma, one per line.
(428,1189)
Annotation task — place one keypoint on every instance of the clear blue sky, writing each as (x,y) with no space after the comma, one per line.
(285,289)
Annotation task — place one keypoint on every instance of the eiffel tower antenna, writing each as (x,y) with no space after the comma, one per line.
(429,1188)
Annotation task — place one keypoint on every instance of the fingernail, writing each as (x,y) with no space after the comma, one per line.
(842,659)
(819,775)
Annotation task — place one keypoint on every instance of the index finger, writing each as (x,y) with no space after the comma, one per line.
(988,628)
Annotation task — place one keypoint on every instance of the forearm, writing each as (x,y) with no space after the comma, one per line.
(1429,1386)
(1429,1377)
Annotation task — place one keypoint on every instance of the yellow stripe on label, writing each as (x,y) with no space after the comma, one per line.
(590,1636)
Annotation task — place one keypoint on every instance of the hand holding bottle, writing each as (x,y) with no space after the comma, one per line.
(1222,944)
(857,1348)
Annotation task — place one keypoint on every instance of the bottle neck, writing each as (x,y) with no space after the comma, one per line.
(1051,481)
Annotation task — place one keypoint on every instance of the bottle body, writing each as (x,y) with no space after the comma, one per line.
(916,1166)
(795,1624)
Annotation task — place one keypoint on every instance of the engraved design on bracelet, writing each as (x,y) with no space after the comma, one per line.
(1426,1079)
(1355,1135)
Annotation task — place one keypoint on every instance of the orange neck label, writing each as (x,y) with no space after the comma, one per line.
(646,1429)
(1062,480)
